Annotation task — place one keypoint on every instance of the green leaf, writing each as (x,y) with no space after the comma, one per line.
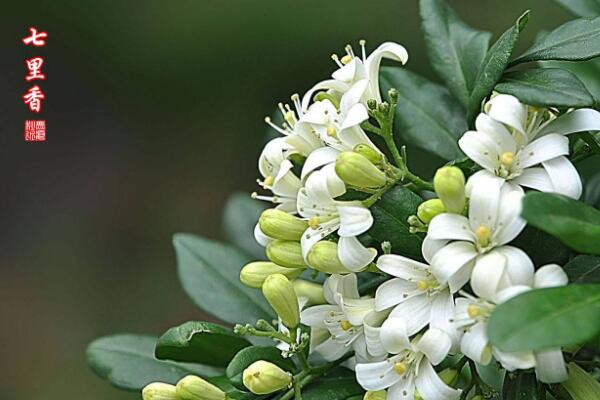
(583,269)
(575,40)
(249,355)
(128,362)
(541,247)
(546,87)
(209,272)
(455,49)
(339,385)
(493,66)
(581,8)
(427,115)
(588,72)
(520,385)
(239,218)
(546,318)
(390,216)
(580,384)
(200,342)
(576,224)
(591,191)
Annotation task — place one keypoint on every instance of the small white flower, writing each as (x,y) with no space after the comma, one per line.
(455,244)
(410,367)
(337,327)
(527,145)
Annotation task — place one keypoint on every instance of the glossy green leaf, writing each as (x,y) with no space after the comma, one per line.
(546,318)
(209,272)
(239,218)
(581,8)
(390,224)
(576,224)
(573,41)
(588,72)
(583,269)
(427,115)
(591,191)
(455,49)
(338,385)
(541,247)
(200,342)
(520,385)
(249,355)
(546,87)
(581,385)
(128,362)
(493,66)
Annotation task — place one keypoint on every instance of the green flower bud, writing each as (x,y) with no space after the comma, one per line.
(312,291)
(280,294)
(195,388)
(370,153)
(286,253)
(263,377)
(159,391)
(356,170)
(254,274)
(375,395)
(580,385)
(449,184)
(372,104)
(323,257)
(281,225)
(429,209)
(449,376)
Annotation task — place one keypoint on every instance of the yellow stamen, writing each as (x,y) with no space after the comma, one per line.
(289,117)
(422,285)
(472,310)
(400,368)
(483,234)
(313,222)
(269,181)
(346,59)
(507,159)
(331,131)
(345,325)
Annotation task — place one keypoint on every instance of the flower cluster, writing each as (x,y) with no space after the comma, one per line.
(425,309)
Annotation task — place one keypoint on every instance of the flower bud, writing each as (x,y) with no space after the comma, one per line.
(449,376)
(371,104)
(370,153)
(356,170)
(280,294)
(195,388)
(375,395)
(281,225)
(263,377)
(286,253)
(254,274)
(323,257)
(429,209)
(449,184)
(159,391)
(580,385)
(310,290)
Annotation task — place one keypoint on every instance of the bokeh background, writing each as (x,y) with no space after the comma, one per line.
(155,115)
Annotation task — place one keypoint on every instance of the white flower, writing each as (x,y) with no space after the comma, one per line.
(410,366)
(415,294)
(472,314)
(326,216)
(527,145)
(455,244)
(338,326)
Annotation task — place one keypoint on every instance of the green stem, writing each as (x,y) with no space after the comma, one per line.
(271,334)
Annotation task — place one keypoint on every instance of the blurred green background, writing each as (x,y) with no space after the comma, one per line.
(155,115)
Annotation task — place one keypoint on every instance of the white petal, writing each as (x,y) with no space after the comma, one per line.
(481,148)
(260,237)
(416,312)
(354,255)
(484,202)
(403,390)
(402,267)
(502,137)
(509,222)
(475,344)
(487,275)
(519,267)
(431,386)
(393,292)
(453,264)
(315,316)
(372,328)
(286,183)
(376,376)
(357,309)
(353,136)
(543,149)
(435,344)
(344,285)
(350,100)
(349,72)
(550,366)
(318,158)
(442,314)
(508,110)
(389,50)
(564,176)
(311,236)
(535,178)
(450,227)
(272,156)
(354,218)
(510,292)
(394,336)
(331,84)
(331,350)
(431,246)
(576,121)
(550,275)
(477,179)
(513,361)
